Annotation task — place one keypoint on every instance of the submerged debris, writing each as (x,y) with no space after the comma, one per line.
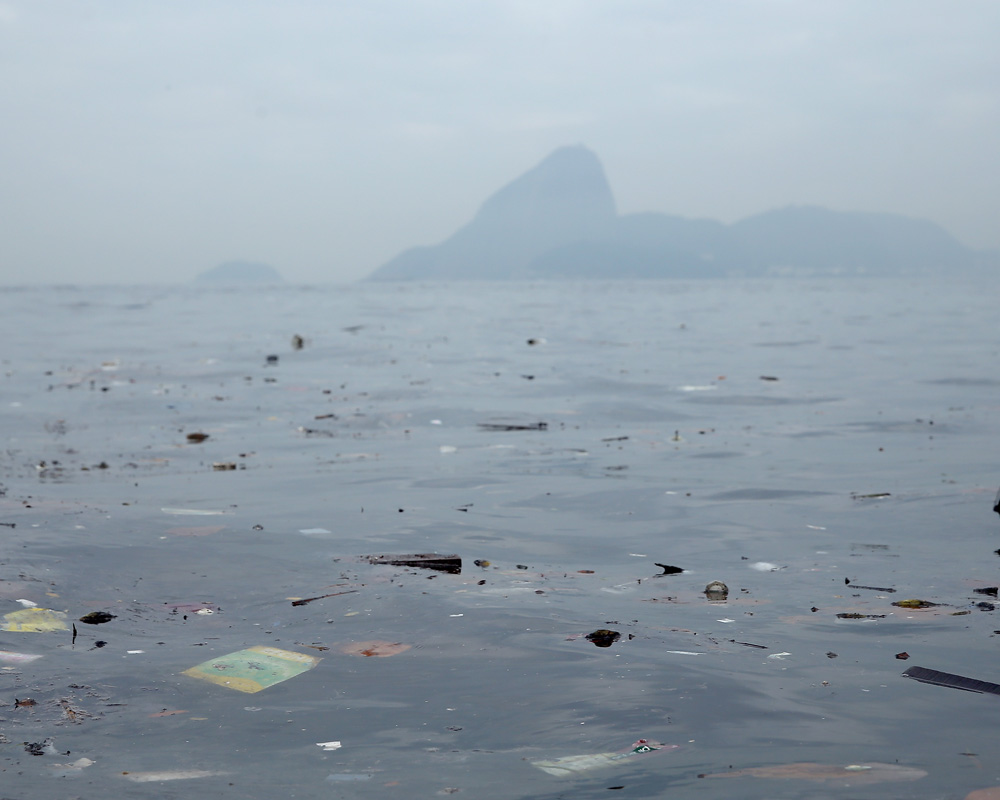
(851,774)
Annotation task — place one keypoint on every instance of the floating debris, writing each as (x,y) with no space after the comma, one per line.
(914,603)
(450,563)
(603,637)
(97,618)
(570,765)
(667,569)
(851,774)
(170,775)
(329,745)
(253,669)
(197,438)
(374,649)
(951,681)
(506,427)
(35,620)
(717,591)
(869,588)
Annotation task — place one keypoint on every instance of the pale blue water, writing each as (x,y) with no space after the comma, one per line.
(662,444)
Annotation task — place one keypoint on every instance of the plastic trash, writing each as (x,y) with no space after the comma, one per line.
(253,669)
(170,775)
(35,620)
(717,591)
(570,765)
(950,680)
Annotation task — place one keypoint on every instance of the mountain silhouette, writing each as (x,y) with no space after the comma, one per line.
(558,220)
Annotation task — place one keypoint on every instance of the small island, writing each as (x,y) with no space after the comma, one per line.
(240,273)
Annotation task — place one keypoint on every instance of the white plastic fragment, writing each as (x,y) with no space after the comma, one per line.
(329,745)
(726,620)
(28,603)
(313,531)
(765,566)
(684,653)
(192,512)
(447,449)
(778,656)
(204,611)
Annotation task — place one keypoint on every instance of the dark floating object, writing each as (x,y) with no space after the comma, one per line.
(870,588)
(97,618)
(503,426)
(603,637)
(667,569)
(951,681)
(272,359)
(306,600)
(990,590)
(861,616)
(768,378)
(298,342)
(872,496)
(196,438)
(996,502)
(902,656)
(451,563)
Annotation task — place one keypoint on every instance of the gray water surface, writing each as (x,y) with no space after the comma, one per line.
(733,429)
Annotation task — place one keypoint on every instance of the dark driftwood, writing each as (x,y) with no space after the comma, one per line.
(450,563)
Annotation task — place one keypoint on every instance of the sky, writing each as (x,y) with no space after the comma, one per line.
(148,142)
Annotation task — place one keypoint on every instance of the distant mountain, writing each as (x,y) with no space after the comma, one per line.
(558,220)
(564,199)
(241,272)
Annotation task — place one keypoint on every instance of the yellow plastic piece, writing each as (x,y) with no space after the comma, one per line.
(35,620)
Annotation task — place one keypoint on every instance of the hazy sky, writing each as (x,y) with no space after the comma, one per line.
(149,141)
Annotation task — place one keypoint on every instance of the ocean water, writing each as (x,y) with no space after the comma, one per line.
(813,444)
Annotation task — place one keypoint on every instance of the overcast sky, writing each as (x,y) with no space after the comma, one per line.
(149,141)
